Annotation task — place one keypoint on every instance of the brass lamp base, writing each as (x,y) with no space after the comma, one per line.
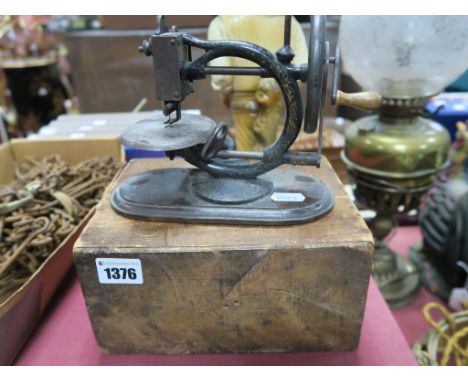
(396,276)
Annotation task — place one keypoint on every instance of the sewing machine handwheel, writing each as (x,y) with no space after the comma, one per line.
(316,78)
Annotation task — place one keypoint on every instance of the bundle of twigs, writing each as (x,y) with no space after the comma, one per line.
(41,208)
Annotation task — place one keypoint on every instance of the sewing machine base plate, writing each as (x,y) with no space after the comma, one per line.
(181,194)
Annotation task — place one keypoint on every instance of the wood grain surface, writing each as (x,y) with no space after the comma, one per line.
(221,288)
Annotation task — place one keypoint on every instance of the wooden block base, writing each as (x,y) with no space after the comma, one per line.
(228,289)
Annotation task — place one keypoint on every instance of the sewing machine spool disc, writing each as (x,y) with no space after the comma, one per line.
(155,135)
(278,197)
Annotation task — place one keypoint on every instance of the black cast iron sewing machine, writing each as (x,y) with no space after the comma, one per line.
(230,186)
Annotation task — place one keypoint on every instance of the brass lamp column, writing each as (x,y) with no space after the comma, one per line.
(394,156)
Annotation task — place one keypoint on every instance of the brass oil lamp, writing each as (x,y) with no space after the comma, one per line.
(394,156)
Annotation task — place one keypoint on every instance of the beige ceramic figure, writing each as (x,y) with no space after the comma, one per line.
(256,103)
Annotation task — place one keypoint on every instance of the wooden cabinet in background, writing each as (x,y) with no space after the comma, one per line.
(110,75)
(148,21)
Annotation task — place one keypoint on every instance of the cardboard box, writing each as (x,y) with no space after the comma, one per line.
(22,310)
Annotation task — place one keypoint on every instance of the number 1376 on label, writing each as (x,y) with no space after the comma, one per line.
(119,271)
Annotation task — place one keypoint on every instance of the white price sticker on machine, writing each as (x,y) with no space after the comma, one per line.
(119,271)
(291,197)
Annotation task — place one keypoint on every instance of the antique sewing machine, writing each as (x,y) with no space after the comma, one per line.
(231,186)
(157,280)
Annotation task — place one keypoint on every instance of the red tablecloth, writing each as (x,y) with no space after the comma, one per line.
(64,336)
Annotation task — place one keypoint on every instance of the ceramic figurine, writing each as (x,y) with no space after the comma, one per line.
(256,103)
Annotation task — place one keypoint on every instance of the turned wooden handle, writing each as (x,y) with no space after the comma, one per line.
(363,100)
